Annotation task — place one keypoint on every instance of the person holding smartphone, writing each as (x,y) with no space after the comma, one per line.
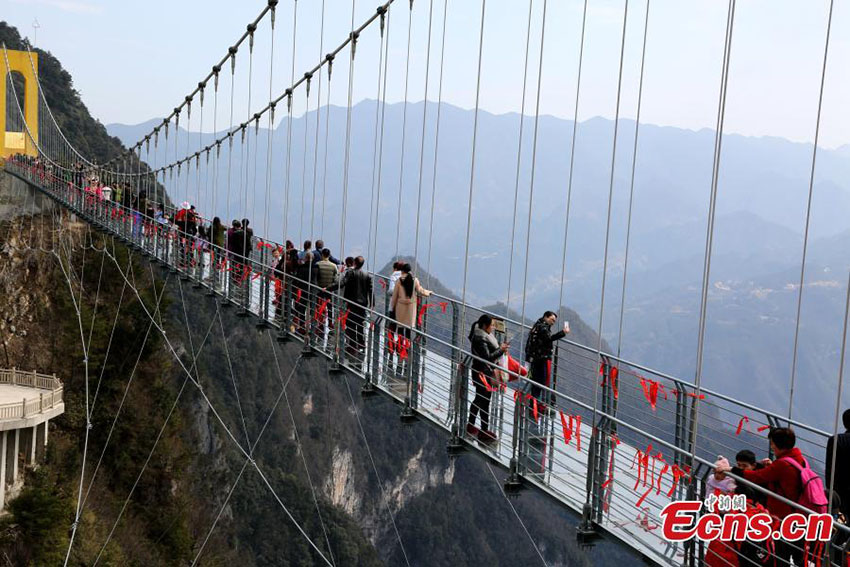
(538,349)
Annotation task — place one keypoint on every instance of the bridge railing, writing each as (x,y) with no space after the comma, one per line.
(49,396)
(612,439)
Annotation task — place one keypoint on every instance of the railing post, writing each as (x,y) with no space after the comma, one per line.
(374,350)
(265,291)
(408,414)
(309,295)
(14,376)
(513,483)
(597,458)
(457,409)
(24,408)
(41,402)
(339,336)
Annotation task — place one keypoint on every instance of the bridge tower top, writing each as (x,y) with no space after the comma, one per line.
(17,141)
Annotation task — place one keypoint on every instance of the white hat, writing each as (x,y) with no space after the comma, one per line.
(185,205)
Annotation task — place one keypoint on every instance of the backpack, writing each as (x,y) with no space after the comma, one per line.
(812,495)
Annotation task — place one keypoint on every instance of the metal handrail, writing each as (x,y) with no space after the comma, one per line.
(608,417)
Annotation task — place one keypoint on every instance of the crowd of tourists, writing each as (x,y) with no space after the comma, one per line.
(319,295)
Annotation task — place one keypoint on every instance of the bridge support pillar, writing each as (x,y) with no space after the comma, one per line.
(40,441)
(28,442)
(12,449)
(3,440)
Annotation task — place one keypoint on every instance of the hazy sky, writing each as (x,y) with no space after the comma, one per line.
(132,61)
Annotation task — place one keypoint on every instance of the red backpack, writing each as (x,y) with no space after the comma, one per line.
(812,495)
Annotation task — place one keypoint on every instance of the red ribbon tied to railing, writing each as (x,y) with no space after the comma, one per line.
(403,345)
(614,373)
(741,423)
(343,319)
(651,389)
(573,427)
(320,311)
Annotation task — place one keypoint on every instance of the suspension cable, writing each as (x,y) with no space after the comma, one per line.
(472,166)
(378,140)
(632,180)
(270,141)
(422,144)
(436,144)
(347,159)
(518,157)
(572,158)
(533,169)
(382,102)
(318,117)
(834,438)
(809,211)
(403,130)
(721,116)
(608,233)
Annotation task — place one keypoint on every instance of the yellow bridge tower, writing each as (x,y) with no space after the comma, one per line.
(20,67)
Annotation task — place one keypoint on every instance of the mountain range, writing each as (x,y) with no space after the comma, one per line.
(761,202)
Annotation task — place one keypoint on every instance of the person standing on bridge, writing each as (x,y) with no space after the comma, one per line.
(538,349)
(320,248)
(485,350)
(356,286)
(404,302)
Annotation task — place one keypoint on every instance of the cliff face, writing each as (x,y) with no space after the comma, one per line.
(370,483)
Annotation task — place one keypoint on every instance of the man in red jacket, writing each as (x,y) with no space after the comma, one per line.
(780,477)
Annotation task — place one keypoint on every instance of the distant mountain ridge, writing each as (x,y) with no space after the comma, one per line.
(762,193)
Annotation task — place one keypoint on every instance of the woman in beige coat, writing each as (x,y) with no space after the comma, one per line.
(405,293)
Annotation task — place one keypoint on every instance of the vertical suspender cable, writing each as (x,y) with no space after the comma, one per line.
(834,439)
(318,116)
(472,165)
(632,180)
(572,158)
(246,144)
(325,157)
(533,169)
(721,116)
(403,130)
(289,122)
(304,166)
(214,210)
(347,158)
(230,129)
(383,104)
(374,200)
(809,212)
(424,122)
(436,143)
(518,158)
(270,142)
(608,232)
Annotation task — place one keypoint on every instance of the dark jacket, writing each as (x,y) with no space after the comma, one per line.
(540,340)
(247,241)
(306,274)
(484,346)
(842,467)
(235,241)
(779,477)
(356,286)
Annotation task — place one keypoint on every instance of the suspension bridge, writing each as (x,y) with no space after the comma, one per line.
(609,438)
